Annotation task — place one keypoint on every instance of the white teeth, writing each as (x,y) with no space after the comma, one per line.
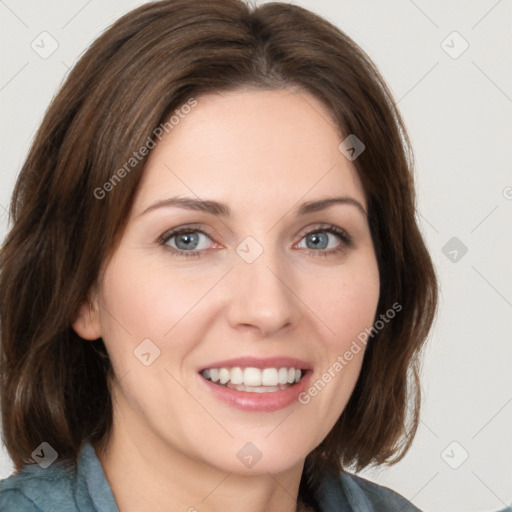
(269,377)
(282,375)
(257,389)
(254,379)
(224,375)
(237,376)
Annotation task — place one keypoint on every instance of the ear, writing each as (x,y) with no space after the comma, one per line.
(87,322)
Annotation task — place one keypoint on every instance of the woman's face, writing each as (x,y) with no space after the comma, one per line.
(252,288)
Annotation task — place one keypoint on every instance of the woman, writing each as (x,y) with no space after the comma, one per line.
(214,292)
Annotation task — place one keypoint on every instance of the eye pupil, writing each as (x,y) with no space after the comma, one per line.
(189,239)
(317,239)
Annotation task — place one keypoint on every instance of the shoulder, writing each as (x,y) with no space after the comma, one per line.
(34,489)
(13,499)
(343,491)
(364,493)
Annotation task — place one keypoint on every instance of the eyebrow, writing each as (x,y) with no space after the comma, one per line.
(222,210)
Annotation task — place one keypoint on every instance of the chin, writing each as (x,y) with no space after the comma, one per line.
(270,464)
(259,456)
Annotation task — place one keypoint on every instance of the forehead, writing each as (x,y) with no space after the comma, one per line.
(258,147)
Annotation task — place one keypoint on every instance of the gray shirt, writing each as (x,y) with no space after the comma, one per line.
(86,489)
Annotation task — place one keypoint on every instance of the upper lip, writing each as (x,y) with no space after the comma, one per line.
(260,362)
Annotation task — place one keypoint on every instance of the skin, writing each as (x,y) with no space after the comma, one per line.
(263,153)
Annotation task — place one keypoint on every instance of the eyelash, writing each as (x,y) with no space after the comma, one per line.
(346,241)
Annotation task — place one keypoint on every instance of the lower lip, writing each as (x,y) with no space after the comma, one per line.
(260,402)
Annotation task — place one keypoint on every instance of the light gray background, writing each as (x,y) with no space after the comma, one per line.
(458,112)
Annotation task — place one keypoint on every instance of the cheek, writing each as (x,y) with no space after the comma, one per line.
(347,301)
(147,301)
(347,306)
(151,301)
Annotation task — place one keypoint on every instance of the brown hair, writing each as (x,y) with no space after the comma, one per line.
(55,385)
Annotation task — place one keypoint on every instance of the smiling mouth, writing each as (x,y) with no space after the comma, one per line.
(254,380)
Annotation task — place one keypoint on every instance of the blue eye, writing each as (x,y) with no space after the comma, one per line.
(319,240)
(187,241)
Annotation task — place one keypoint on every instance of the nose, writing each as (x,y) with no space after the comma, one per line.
(262,297)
